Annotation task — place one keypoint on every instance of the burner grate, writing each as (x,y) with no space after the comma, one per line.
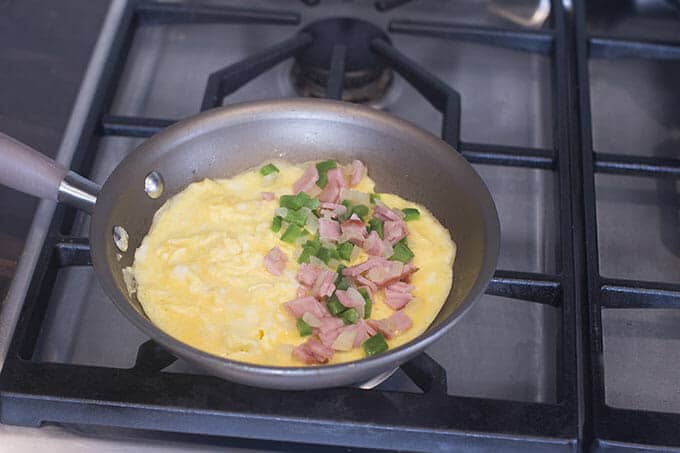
(609,426)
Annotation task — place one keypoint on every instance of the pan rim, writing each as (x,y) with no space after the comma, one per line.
(339,111)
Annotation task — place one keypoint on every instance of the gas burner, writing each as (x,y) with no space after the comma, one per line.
(366,78)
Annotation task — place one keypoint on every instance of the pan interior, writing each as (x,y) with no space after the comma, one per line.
(225,142)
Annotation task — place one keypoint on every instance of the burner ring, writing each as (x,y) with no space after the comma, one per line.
(366,78)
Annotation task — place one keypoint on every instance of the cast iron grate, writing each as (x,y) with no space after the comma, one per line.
(144,397)
(609,426)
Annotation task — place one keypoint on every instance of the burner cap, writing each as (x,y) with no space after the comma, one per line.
(366,77)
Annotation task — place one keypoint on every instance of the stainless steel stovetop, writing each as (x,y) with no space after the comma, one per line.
(504,348)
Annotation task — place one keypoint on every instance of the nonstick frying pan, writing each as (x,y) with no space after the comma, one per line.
(401,158)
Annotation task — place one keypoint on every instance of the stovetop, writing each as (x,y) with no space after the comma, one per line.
(569,113)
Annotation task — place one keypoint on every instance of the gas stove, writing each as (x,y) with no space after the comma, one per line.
(569,113)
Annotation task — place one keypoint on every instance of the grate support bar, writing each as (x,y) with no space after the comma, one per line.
(638,294)
(227,80)
(620,164)
(540,288)
(440,95)
(610,48)
(526,40)
(178,13)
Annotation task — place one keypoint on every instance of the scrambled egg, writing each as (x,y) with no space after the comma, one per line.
(199,272)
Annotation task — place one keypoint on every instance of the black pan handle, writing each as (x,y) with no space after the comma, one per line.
(29,171)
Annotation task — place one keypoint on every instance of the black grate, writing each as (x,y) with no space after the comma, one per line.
(609,426)
(144,397)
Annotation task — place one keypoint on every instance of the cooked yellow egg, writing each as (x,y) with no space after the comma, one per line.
(199,272)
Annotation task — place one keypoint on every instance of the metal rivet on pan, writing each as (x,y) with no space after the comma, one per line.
(153,184)
(120,238)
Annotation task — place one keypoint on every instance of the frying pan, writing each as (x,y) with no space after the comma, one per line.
(401,158)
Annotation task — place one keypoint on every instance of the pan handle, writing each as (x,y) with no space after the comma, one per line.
(24,169)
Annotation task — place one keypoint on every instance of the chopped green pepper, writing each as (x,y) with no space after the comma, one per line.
(303,328)
(324,255)
(373,197)
(343,284)
(292,233)
(276,224)
(307,252)
(375,345)
(290,202)
(309,249)
(402,252)
(369,303)
(314,242)
(360,210)
(323,168)
(334,306)
(307,201)
(378,226)
(350,316)
(295,202)
(268,169)
(296,217)
(339,270)
(345,250)
(411,214)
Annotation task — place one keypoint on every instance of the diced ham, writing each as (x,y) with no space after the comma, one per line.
(332,210)
(400,287)
(307,180)
(330,193)
(268,195)
(385,273)
(307,274)
(391,326)
(312,351)
(400,321)
(353,230)
(329,330)
(353,336)
(375,246)
(347,300)
(302,291)
(366,282)
(312,320)
(370,263)
(330,323)
(313,191)
(336,182)
(308,304)
(329,229)
(397,301)
(352,299)
(303,354)
(335,176)
(275,261)
(328,337)
(364,331)
(397,295)
(409,269)
(345,339)
(357,170)
(324,285)
(384,213)
(328,205)
(395,230)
